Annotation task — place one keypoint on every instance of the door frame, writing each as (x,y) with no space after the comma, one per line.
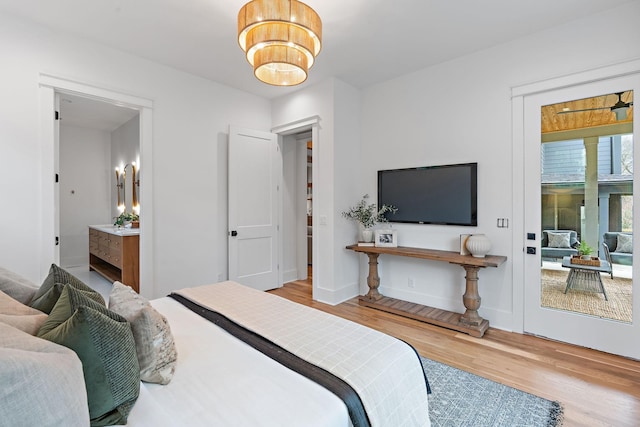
(518,95)
(310,123)
(49,85)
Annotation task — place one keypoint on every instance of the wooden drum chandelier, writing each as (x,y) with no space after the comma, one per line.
(281,39)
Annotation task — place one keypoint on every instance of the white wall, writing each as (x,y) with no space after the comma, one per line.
(336,180)
(85,188)
(459,112)
(456,112)
(191,117)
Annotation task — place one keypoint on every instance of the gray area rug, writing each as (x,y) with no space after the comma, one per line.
(459,398)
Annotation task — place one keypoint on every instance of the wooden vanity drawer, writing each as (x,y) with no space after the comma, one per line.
(115,242)
(93,245)
(103,241)
(115,257)
(103,251)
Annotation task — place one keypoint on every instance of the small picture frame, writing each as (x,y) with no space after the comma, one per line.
(463,244)
(386,238)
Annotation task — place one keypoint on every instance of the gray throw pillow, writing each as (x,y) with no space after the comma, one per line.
(559,239)
(16,286)
(104,343)
(625,243)
(42,382)
(48,294)
(157,354)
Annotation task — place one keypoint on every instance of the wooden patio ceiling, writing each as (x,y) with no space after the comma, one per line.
(554,122)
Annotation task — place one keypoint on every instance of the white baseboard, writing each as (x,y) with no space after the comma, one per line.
(335,297)
(290,275)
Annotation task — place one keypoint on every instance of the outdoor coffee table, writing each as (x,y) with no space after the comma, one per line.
(584,277)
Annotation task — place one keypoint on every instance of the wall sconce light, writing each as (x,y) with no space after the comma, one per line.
(120,186)
(135,183)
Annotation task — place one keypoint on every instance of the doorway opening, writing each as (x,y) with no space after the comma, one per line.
(297,206)
(299,144)
(564,210)
(303,213)
(96,137)
(309,210)
(50,92)
(587,206)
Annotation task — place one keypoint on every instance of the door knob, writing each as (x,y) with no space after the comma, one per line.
(233,233)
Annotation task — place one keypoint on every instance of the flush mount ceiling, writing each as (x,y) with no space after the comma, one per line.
(281,39)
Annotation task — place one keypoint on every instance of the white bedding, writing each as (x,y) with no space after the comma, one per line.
(221,381)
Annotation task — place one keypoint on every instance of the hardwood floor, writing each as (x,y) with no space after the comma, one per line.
(595,388)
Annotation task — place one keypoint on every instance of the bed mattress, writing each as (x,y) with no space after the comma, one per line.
(222,381)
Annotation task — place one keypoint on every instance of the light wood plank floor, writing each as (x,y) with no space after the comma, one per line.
(595,388)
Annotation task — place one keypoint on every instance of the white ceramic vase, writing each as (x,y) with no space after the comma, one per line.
(479,245)
(367,235)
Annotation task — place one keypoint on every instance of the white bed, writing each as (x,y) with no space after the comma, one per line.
(221,381)
(220,376)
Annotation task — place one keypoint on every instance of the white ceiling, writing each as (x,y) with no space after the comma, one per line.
(88,113)
(364,41)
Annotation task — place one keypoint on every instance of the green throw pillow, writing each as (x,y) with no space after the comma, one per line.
(48,294)
(70,299)
(104,343)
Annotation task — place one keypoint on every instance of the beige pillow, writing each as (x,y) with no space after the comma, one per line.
(16,286)
(559,239)
(20,316)
(157,355)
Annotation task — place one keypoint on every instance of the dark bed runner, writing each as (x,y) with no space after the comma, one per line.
(322,377)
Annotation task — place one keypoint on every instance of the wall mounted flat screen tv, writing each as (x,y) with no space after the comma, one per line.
(445,194)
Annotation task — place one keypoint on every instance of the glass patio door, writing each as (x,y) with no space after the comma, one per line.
(579,192)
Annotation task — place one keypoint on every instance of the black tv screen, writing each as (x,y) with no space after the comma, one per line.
(431,195)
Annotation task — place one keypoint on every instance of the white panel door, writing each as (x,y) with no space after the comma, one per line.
(253,208)
(563,325)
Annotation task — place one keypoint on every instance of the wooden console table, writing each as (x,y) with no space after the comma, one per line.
(470,322)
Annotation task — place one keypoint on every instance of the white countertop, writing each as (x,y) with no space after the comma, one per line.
(112,229)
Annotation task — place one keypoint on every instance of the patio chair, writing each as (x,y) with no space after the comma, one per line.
(607,255)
